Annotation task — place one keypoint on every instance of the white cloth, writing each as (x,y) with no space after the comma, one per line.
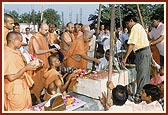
(156,33)
(103,64)
(117,46)
(106,44)
(56,46)
(91,51)
(124,108)
(25,41)
(93,31)
(141,107)
(24,50)
(25,54)
(103,36)
(28,36)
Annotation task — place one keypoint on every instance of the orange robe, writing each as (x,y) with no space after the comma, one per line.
(49,77)
(16,93)
(37,75)
(5,34)
(52,38)
(75,34)
(77,48)
(64,46)
(155,53)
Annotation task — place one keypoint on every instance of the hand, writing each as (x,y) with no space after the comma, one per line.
(96,61)
(30,67)
(41,63)
(72,75)
(110,85)
(103,100)
(123,61)
(53,50)
(36,63)
(147,30)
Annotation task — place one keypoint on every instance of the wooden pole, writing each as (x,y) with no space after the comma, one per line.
(140,16)
(98,20)
(120,17)
(111,51)
(97,32)
(42,12)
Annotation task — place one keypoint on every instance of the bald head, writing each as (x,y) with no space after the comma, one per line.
(8,21)
(12,36)
(87,36)
(88,33)
(70,27)
(68,24)
(7,17)
(44,29)
(85,28)
(42,25)
(51,59)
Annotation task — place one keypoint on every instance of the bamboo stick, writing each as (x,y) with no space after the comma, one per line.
(111,50)
(97,33)
(140,16)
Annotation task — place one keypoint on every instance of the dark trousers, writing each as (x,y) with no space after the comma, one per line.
(161,60)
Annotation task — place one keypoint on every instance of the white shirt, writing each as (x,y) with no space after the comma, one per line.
(91,51)
(156,33)
(103,64)
(106,44)
(124,108)
(117,46)
(102,36)
(24,50)
(93,31)
(28,36)
(141,107)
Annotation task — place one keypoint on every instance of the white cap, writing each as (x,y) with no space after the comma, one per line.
(57,46)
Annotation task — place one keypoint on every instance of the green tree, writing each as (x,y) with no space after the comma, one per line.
(147,10)
(159,9)
(33,17)
(15,15)
(52,16)
(25,18)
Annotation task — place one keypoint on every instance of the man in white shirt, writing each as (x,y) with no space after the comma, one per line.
(27,36)
(104,61)
(157,36)
(94,29)
(139,43)
(120,103)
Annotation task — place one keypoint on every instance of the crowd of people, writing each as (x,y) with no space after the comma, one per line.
(78,47)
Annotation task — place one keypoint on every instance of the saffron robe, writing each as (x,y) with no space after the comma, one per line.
(16,93)
(38,74)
